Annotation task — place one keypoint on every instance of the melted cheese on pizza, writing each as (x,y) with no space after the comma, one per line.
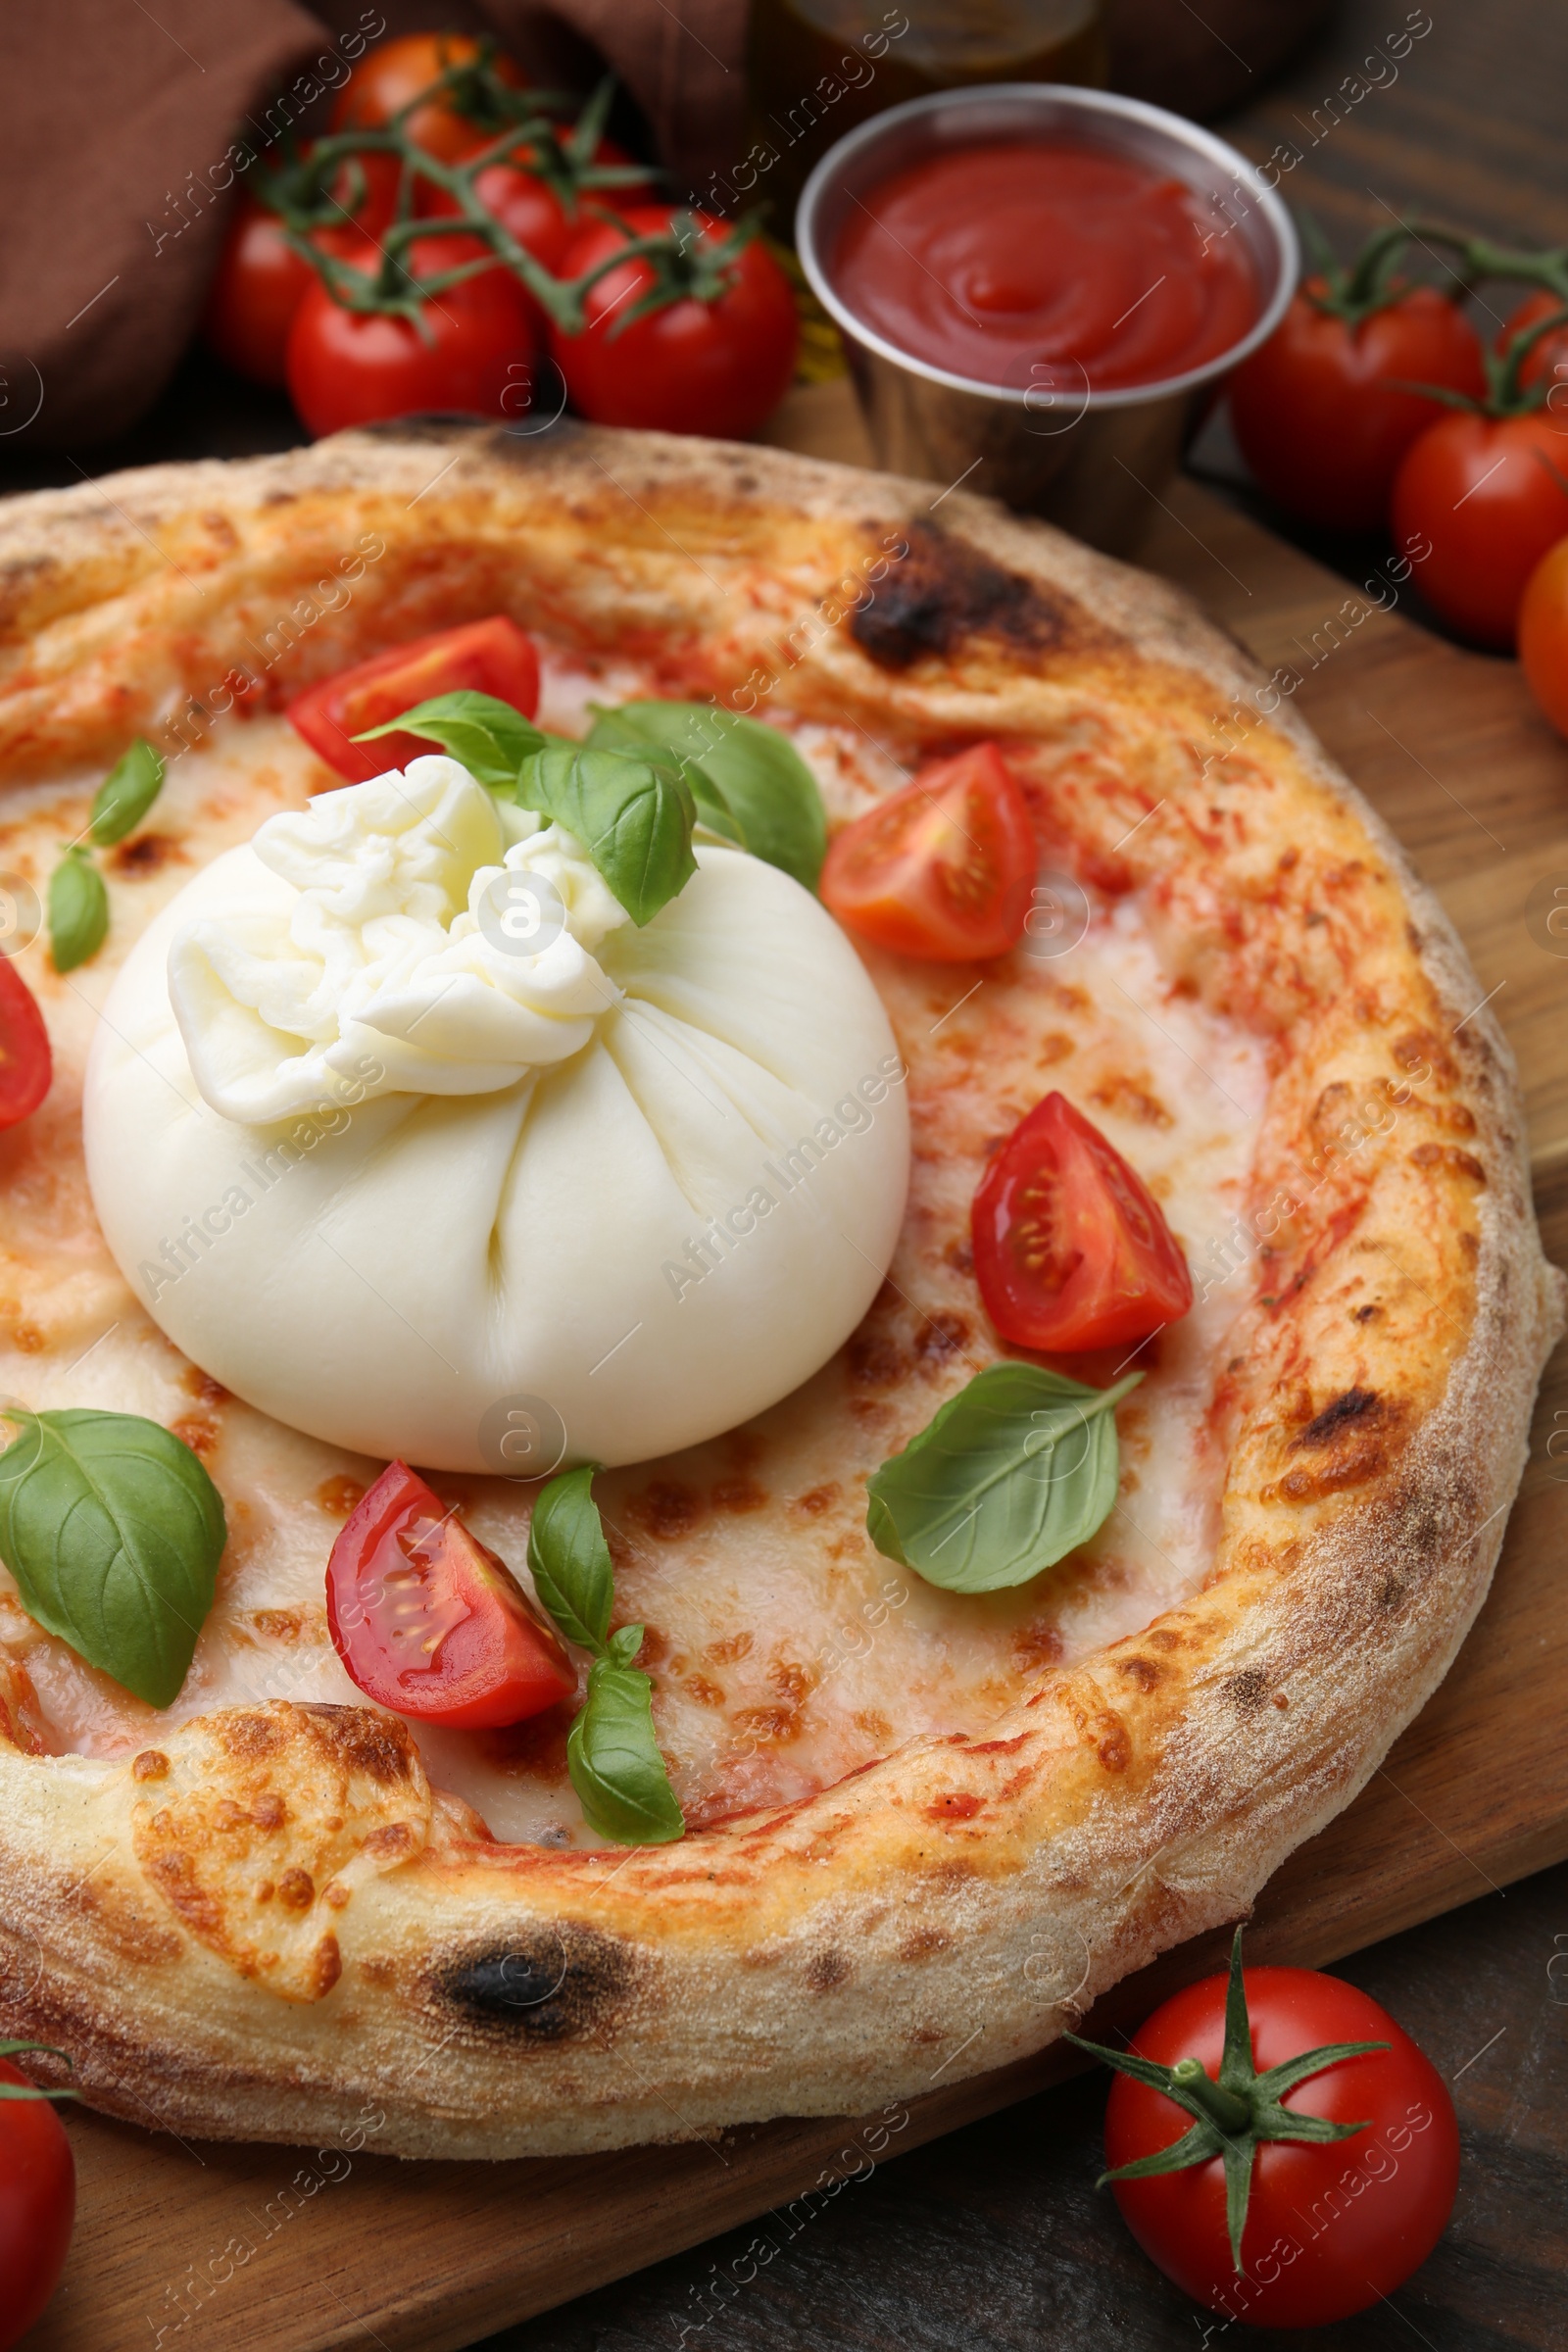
(786,1651)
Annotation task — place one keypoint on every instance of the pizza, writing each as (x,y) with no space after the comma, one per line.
(907,1800)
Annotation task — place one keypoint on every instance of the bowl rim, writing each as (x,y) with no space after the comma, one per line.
(1028,95)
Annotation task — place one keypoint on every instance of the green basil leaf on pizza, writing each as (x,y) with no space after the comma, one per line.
(113,1531)
(78,910)
(569,1559)
(489,737)
(749,783)
(633,816)
(126,794)
(1012,1473)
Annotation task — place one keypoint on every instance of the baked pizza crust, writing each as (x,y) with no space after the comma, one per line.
(494,2000)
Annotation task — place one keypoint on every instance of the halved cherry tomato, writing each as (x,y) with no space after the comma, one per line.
(474,350)
(483,657)
(1071,1249)
(37,2206)
(429,1622)
(25,1065)
(398,71)
(945,869)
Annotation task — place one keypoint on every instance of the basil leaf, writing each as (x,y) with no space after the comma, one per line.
(488,736)
(570,1559)
(624,1645)
(113,1531)
(615,1763)
(127,792)
(634,818)
(78,910)
(1012,1473)
(755,787)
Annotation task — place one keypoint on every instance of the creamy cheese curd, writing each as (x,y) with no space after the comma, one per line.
(420,1186)
(785,1649)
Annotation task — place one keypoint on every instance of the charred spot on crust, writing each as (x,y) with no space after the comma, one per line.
(148,854)
(944,591)
(1247,1690)
(826,1970)
(548,1985)
(1356,1404)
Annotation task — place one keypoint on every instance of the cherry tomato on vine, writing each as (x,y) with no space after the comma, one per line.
(483,657)
(1549,356)
(1318,410)
(1490,494)
(1543,634)
(1343,2163)
(478,353)
(429,1622)
(261,280)
(943,869)
(543,220)
(25,1063)
(397,71)
(717,367)
(37,2200)
(1071,1250)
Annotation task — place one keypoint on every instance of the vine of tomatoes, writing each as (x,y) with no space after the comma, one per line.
(451,233)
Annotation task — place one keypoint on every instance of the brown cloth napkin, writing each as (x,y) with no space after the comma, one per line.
(123,128)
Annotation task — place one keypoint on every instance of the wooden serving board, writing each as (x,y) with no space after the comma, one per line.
(292,2251)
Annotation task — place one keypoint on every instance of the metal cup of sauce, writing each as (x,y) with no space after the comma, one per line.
(1090,457)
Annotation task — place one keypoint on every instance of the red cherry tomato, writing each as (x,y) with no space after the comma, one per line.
(1489,494)
(1071,1251)
(1318,410)
(483,657)
(478,353)
(1549,355)
(260,282)
(693,366)
(430,1622)
(1543,634)
(25,1065)
(943,869)
(396,72)
(525,204)
(37,2206)
(1331,2225)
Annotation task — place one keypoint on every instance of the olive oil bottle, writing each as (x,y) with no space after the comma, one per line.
(816,67)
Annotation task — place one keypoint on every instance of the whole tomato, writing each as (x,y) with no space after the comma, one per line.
(37,2200)
(1343,2130)
(1490,495)
(1543,634)
(1549,355)
(259,283)
(538,208)
(477,355)
(397,71)
(1318,409)
(718,359)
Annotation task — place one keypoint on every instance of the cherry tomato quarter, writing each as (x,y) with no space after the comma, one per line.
(1320,409)
(397,71)
(477,355)
(429,1622)
(1543,634)
(1330,2226)
(37,2206)
(25,1063)
(692,367)
(944,869)
(1071,1250)
(484,656)
(1489,494)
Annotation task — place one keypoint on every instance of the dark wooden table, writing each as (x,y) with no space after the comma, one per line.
(996,2238)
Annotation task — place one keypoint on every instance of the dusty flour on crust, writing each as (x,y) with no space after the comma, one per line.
(817,1956)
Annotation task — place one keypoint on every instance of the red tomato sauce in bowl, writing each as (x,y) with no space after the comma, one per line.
(993,261)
